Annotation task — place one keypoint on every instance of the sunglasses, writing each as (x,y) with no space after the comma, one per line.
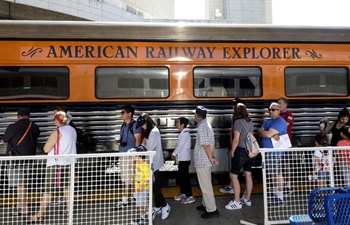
(122,112)
(273,110)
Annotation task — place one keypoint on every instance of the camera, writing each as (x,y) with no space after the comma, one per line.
(123,144)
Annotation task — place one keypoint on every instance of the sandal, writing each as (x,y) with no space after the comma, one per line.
(34,219)
(65,212)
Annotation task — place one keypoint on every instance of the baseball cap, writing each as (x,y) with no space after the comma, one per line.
(236,101)
(200,110)
(23,112)
(140,121)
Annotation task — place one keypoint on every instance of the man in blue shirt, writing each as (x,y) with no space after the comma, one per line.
(130,137)
(272,128)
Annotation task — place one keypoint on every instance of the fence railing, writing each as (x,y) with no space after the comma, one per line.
(280,203)
(85,189)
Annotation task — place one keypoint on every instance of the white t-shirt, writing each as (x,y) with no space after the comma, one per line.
(318,154)
(154,142)
(67,146)
(183,147)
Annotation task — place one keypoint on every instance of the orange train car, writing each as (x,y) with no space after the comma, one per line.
(167,70)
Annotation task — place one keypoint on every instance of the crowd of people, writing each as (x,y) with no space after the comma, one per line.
(144,135)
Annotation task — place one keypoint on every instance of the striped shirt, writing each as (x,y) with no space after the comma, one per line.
(205,136)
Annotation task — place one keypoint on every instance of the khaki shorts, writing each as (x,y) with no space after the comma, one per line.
(126,169)
(57,177)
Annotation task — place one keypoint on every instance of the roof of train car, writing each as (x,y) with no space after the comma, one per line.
(73,30)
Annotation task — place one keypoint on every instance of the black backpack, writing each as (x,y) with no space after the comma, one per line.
(83,142)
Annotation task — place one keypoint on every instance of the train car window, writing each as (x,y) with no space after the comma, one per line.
(22,82)
(132,82)
(316,81)
(227,81)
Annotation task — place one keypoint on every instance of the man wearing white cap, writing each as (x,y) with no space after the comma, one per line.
(204,158)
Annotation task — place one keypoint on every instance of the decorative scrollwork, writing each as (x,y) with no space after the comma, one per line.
(313,54)
(31,52)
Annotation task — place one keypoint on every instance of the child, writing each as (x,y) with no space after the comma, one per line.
(183,151)
(320,168)
(141,184)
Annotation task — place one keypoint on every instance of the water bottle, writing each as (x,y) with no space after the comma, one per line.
(249,141)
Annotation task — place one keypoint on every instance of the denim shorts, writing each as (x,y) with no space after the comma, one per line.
(322,175)
(142,198)
(241,159)
(17,175)
(274,163)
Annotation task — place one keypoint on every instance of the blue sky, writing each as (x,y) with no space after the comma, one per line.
(285,12)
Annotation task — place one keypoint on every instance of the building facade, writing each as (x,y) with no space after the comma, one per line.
(241,11)
(160,9)
(94,10)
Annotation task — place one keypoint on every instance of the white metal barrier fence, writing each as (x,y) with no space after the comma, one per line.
(86,189)
(305,174)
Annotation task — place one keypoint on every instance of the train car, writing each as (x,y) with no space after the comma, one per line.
(166,70)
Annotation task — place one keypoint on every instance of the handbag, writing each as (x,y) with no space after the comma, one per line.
(283,142)
(251,144)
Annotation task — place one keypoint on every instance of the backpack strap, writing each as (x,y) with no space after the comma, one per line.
(240,136)
(131,125)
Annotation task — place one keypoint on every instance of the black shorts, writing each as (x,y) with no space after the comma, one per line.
(241,159)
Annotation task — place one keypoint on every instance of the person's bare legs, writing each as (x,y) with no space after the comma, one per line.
(287,168)
(45,201)
(236,186)
(280,182)
(66,197)
(22,203)
(249,184)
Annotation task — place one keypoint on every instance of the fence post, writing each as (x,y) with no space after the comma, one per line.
(150,216)
(71,189)
(263,168)
(331,169)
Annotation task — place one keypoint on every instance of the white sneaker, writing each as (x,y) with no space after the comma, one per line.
(141,220)
(156,211)
(188,200)
(180,197)
(121,204)
(232,205)
(227,190)
(246,202)
(166,211)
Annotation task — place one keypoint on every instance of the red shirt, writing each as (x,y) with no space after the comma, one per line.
(289,118)
(344,154)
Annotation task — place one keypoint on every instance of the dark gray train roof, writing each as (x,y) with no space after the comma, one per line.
(68,30)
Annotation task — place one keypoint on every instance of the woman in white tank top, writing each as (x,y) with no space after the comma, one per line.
(62,141)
